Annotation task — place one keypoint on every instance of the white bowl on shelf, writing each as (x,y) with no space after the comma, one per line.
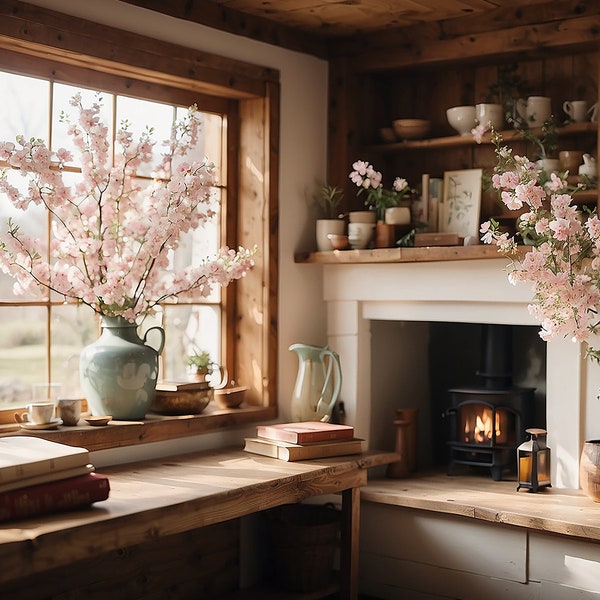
(462,118)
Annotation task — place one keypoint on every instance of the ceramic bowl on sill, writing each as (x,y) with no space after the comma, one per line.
(411,129)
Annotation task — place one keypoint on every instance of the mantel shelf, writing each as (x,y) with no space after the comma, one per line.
(454,141)
(402,255)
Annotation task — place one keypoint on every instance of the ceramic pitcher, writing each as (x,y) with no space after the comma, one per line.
(318,383)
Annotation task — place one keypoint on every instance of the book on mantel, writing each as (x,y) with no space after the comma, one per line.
(292,452)
(305,432)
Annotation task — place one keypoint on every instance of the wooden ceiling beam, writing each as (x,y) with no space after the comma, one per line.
(526,41)
(233,21)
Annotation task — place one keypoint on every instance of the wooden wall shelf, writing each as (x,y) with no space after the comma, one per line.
(402,255)
(455,141)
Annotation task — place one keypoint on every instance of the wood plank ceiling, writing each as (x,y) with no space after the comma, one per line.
(343,18)
(327,28)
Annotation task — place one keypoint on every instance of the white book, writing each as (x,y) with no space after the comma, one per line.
(22,457)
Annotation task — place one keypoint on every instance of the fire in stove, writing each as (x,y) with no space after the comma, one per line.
(487,422)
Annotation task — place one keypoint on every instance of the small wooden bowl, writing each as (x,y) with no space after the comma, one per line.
(338,241)
(98,420)
(230,397)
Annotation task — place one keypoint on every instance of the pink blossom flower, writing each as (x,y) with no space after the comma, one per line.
(111,235)
(563,265)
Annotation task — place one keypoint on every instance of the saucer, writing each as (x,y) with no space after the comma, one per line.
(50,425)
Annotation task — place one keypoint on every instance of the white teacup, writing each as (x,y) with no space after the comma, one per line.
(535,110)
(38,413)
(490,113)
(576,110)
(360,234)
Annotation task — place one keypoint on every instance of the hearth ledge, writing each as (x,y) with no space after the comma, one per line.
(563,512)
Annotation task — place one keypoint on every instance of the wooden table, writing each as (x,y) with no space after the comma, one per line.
(198,489)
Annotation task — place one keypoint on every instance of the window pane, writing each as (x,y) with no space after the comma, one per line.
(72,327)
(31,222)
(22,353)
(189,328)
(140,115)
(25,107)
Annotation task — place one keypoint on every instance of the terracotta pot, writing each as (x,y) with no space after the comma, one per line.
(589,469)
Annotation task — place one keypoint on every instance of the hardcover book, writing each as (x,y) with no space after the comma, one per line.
(56,496)
(305,432)
(46,478)
(27,456)
(292,452)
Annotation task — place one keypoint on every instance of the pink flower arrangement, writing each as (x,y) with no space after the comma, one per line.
(563,263)
(112,237)
(365,177)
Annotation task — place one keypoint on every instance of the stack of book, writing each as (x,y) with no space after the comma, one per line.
(39,477)
(304,441)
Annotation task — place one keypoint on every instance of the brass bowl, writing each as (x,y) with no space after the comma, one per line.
(182,402)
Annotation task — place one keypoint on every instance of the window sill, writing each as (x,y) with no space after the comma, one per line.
(154,428)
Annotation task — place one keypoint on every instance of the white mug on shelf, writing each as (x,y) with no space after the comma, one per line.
(593,112)
(360,234)
(535,110)
(576,110)
(490,113)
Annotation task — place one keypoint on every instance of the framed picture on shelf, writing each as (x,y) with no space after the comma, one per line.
(460,208)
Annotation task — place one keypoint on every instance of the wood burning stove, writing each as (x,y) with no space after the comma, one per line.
(488,422)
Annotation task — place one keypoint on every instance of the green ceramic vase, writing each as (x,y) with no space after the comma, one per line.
(118,371)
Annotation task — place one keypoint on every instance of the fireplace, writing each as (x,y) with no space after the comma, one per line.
(488,422)
(383,309)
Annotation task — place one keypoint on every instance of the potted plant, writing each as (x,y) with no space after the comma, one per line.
(379,199)
(200,363)
(328,200)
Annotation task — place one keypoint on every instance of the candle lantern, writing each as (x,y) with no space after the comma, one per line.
(533,461)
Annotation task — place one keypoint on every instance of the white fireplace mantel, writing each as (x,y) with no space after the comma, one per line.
(462,291)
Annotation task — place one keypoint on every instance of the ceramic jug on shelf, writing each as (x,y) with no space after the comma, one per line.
(318,383)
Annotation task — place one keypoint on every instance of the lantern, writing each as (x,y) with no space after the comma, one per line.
(533,461)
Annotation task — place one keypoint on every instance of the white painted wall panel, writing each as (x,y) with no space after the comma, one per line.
(445,541)
(565,561)
(395,579)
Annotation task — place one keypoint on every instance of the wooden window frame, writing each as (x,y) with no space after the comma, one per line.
(46,43)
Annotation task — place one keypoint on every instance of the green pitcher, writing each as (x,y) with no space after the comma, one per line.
(318,383)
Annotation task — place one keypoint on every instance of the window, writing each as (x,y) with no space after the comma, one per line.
(42,337)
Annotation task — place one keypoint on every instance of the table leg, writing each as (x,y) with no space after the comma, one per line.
(349,545)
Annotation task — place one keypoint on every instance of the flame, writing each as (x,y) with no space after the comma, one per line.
(484,427)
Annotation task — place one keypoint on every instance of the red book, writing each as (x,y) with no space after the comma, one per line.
(55,496)
(305,432)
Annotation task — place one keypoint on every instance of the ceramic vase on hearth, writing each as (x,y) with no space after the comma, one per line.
(589,469)
(118,371)
(406,444)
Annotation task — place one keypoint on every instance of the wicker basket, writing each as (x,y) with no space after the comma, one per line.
(304,539)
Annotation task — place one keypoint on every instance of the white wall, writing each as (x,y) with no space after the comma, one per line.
(303,156)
